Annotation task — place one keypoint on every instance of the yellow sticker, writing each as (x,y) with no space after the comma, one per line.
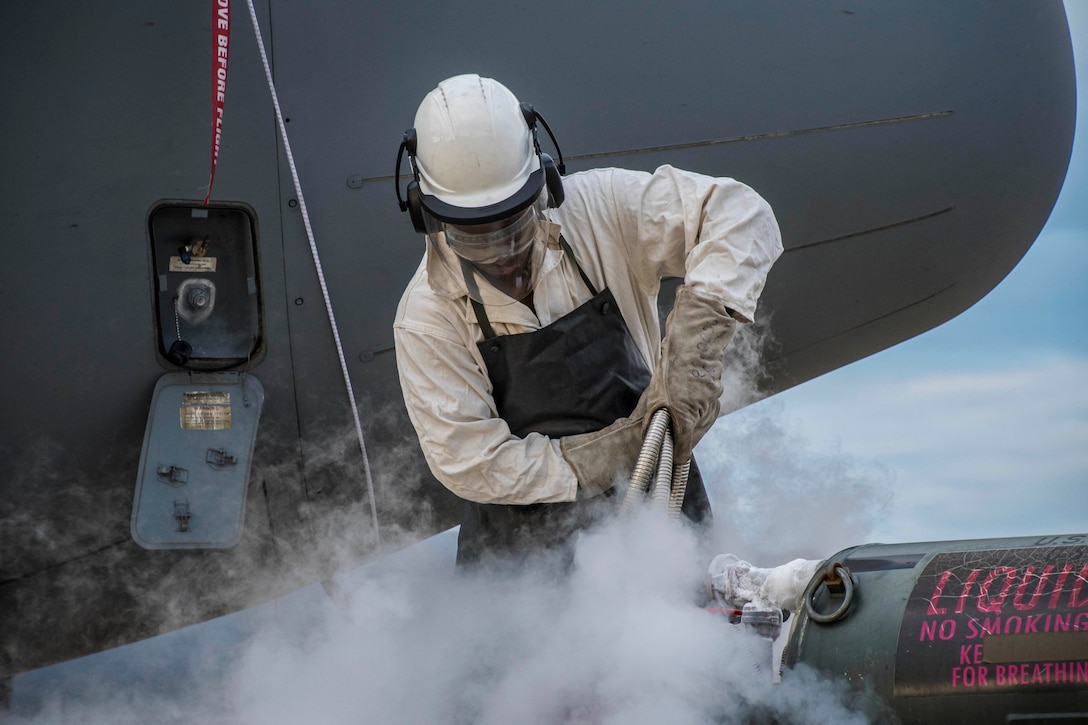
(205,417)
(205,397)
(196,265)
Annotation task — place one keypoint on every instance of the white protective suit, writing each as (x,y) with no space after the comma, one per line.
(628,229)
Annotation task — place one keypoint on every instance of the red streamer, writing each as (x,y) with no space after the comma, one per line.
(220,51)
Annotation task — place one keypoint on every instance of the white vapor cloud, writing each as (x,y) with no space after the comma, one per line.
(618,641)
(622,639)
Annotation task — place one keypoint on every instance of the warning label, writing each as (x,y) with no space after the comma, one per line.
(998,621)
(205,410)
(206,397)
(195,265)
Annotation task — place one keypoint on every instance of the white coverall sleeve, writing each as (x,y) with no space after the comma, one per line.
(717,233)
(468,447)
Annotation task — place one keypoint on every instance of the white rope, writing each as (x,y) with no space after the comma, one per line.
(320,272)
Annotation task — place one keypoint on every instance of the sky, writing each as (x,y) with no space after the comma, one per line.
(978,428)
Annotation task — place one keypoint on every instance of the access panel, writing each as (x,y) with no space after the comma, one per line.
(207,286)
(194,468)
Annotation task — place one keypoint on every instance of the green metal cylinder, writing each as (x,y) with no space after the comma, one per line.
(988,630)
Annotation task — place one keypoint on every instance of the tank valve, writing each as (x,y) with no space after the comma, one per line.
(196,300)
(736,583)
(766,623)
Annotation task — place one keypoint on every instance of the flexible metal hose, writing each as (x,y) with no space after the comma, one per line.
(663,480)
(655,461)
(679,488)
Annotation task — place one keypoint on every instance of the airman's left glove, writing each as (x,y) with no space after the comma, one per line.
(603,458)
(688,379)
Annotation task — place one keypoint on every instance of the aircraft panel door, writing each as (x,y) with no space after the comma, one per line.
(194,467)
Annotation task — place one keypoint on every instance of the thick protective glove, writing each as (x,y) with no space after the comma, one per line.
(688,379)
(603,458)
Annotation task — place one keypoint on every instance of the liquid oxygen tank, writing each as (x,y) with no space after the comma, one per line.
(991,630)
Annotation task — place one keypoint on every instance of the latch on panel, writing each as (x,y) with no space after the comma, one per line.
(182,515)
(195,462)
(218,458)
(172,475)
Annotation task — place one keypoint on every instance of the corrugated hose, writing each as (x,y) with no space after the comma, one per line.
(655,461)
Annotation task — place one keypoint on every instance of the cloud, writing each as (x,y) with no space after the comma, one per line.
(992,452)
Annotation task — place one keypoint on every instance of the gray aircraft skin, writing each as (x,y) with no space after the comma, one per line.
(912,153)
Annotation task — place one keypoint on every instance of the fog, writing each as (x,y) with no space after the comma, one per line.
(623,636)
(620,639)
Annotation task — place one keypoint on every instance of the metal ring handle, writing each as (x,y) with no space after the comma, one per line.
(835,572)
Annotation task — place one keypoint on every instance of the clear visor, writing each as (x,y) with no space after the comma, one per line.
(505,255)
(488,243)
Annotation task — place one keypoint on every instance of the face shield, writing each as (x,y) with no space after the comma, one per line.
(504,255)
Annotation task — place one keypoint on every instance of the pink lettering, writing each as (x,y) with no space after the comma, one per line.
(1074,599)
(1018,600)
(968,583)
(947,630)
(937,590)
(929,632)
(1059,585)
(995,604)
(969,676)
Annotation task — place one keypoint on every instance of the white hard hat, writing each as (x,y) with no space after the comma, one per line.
(475,151)
(481,186)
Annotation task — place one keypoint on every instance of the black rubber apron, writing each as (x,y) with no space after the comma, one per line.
(576,375)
